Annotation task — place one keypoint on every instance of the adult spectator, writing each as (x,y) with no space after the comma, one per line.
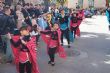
(20,17)
(37,10)
(31,10)
(7,25)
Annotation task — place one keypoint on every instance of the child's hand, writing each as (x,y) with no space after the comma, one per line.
(9,36)
(47,36)
(23,42)
(52,29)
(39,30)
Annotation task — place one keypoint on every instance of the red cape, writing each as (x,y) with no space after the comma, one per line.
(60,49)
(16,52)
(78,30)
(31,46)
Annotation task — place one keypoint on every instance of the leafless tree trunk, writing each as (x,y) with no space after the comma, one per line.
(107,3)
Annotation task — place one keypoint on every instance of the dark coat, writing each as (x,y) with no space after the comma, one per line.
(7,24)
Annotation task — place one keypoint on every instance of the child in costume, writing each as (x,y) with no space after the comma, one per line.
(63,21)
(80,16)
(35,33)
(24,50)
(52,39)
(74,23)
(80,19)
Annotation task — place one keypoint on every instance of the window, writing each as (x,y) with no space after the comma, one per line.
(80,3)
(91,3)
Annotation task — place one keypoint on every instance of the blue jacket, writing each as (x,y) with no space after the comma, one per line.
(108,15)
(42,23)
(63,22)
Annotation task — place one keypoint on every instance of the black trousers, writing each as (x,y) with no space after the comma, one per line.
(25,66)
(51,53)
(74,29)
(66,34)
(2,46)
(37,38)
(109,27)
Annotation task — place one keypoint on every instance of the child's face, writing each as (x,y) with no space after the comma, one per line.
(24,32)
(56,26)
(62,12)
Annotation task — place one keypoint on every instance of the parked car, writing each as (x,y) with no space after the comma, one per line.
(88,14)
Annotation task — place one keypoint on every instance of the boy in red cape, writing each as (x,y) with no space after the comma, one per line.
(24,50)
(52,39)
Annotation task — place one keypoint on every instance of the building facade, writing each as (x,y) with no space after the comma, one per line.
(74,3)
(87,3)
(34,1)
(30,1)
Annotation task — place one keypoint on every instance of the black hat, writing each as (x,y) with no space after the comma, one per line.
(16,32)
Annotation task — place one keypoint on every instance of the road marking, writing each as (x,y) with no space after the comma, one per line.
(107,62)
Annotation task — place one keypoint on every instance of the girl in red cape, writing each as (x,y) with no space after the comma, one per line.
(24,50)
(52,39)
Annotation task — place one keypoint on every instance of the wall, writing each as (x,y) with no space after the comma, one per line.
(97,3)
(85,4)
(100,3)
(34,1)
(72,3)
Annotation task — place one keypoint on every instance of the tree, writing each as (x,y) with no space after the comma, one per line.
(62,2)
(107,3)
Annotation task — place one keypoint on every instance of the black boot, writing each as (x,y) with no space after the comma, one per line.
(49,62)
(69,46)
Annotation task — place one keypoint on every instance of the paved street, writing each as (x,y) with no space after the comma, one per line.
(90,53)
